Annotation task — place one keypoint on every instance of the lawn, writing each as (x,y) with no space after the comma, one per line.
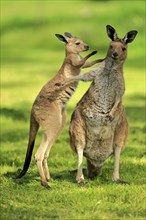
(30,56)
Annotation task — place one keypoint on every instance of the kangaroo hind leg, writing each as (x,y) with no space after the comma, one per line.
(120,137)
(54,133)
(39,157)
(45,165)
(80,176)
(77,142)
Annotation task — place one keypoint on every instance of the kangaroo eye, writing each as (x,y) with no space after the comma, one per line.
(77,43)
(123,48)
(111,46)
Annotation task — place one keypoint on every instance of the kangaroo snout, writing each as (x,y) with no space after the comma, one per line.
(86,47)
(115,55)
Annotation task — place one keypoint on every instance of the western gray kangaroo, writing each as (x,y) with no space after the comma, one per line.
(98,126)
(48,110)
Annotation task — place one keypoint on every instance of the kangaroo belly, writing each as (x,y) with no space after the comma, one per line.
(99,140)
(98,153)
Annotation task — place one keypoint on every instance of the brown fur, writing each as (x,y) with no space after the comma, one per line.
(98,125)
(48,110)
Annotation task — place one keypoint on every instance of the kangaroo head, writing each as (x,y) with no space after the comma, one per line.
(73,44)
(118,47)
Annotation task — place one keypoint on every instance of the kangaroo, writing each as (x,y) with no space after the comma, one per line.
(98,126)
(48,110)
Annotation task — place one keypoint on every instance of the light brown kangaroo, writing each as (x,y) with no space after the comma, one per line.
(48,110)
(98,125)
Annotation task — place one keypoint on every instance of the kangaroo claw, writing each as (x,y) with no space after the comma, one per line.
(111,117)
(45,184)
(94,52)
(119,181)
(81,182)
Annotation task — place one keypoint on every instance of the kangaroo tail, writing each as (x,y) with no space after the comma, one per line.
(34,126)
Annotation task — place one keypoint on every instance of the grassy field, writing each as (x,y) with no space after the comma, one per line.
(31,55)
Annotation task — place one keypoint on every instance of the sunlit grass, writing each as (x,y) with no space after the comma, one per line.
(31,55)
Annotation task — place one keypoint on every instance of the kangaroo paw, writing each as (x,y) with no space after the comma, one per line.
(111,117)
(45,184)
(100,60)
(93,53)
(119,181)
(48,179)
(81,182)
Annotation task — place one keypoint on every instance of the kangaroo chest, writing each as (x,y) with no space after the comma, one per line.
(101,97)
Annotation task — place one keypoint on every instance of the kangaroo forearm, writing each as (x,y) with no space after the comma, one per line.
(118,99)
(85,77)
(81,62)
(88,64)
(90,55)
(114,108)
(88,76)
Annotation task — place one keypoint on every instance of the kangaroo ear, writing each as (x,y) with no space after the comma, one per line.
(67,34)
(130,36)
(111,32)
(61,38)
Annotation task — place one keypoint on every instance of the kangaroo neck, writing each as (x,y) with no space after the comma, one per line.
(68,69)
(112,64)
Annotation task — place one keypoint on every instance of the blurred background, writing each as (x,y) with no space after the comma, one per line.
(31,54)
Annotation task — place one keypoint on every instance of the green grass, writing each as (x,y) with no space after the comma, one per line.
(31,55)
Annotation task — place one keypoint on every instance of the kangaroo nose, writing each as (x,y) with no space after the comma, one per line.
(87,47)
(115,54)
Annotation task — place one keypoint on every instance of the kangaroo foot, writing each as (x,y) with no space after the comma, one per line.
(48,179)
(119,181)
(45,184)
(81,182)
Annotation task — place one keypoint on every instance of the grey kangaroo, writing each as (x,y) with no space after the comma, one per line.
(48,110)
(98,126)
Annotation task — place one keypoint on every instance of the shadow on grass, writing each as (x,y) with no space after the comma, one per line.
(14,136)
(16,114)
(136,97)
(29,177)
(134,114)
(131,172)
